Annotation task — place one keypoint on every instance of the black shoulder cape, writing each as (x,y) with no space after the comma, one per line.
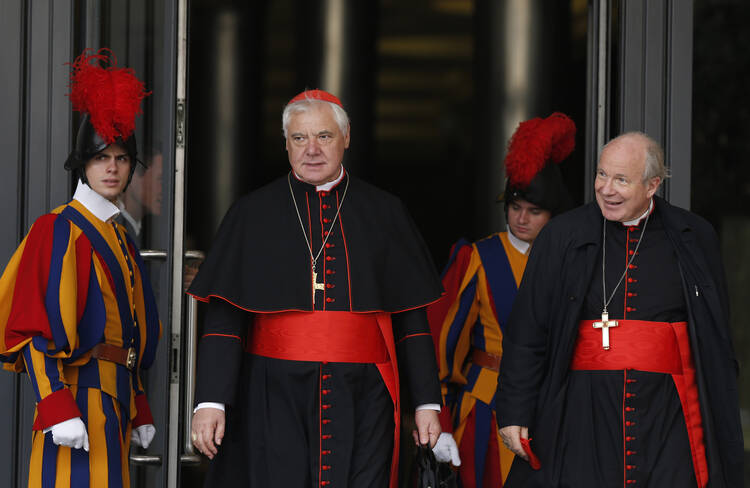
(259,259)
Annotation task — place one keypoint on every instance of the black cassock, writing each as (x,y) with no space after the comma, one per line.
(304,423)
(578,420)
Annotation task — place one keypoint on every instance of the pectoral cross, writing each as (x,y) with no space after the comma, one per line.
(316,286)
(605,324)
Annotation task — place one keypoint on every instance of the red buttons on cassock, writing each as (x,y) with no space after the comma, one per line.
(326,467)
(632,294)
(330,271)
(325,392)
(325,483)
(629,409)
(325,452)
(326,206)
(330,285)
(330,245)
(330,300)
(330,258)
(326,220)
(326,421)
(326,436)
(325,406)
(326,376)
(630,466)
(632,266)
(631,309)
(630,438)
(629,395)
(631,252)
(630,482)
(631,381)
(325,232)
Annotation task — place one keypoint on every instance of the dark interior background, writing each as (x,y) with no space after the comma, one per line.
(419,82)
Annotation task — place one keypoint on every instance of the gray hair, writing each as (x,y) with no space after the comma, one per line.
(654,156)
(301,106)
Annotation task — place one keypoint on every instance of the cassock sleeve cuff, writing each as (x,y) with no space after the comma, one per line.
(218,406)
(55,408)
(143,414)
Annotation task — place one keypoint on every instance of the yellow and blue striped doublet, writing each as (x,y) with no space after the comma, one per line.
(75,283)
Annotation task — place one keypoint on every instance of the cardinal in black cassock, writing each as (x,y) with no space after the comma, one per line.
(618,364)
(316,286)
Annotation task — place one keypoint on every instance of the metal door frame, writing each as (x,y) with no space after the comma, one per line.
(640,73)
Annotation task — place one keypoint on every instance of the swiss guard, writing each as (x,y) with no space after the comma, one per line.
(481,280)
(77,311)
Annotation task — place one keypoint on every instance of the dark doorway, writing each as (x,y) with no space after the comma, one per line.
(426,83)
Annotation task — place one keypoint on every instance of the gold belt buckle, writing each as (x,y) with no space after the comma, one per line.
(131,358)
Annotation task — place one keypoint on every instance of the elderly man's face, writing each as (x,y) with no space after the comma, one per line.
(107,172)
(621,193)
(315,145)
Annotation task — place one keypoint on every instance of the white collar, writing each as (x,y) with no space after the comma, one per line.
(102,208)
(330,184)
(521,246)
(135,224)
(635,221)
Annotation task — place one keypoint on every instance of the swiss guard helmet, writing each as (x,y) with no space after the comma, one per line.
(531,164)
(109,99)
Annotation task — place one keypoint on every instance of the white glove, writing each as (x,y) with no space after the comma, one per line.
(70,433)
(446,450)
(143,435)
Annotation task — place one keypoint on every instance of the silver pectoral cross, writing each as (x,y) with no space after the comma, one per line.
(605,324)
(316,286)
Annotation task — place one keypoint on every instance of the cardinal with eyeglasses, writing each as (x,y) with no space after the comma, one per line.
(316,287)
(618,367)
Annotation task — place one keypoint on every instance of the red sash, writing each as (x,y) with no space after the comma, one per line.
(659,347)
(334,337)
(342,337)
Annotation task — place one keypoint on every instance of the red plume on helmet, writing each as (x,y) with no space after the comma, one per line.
(534,143)
(110,95)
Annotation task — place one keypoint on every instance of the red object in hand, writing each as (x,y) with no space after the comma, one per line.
(533,460)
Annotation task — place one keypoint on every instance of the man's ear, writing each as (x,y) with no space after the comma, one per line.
(652,185)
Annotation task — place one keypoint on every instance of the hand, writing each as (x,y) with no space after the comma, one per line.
(428,427)
(189,272)
(208,430)
(512,435)
(446,450)
(143,435)
(71,433)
